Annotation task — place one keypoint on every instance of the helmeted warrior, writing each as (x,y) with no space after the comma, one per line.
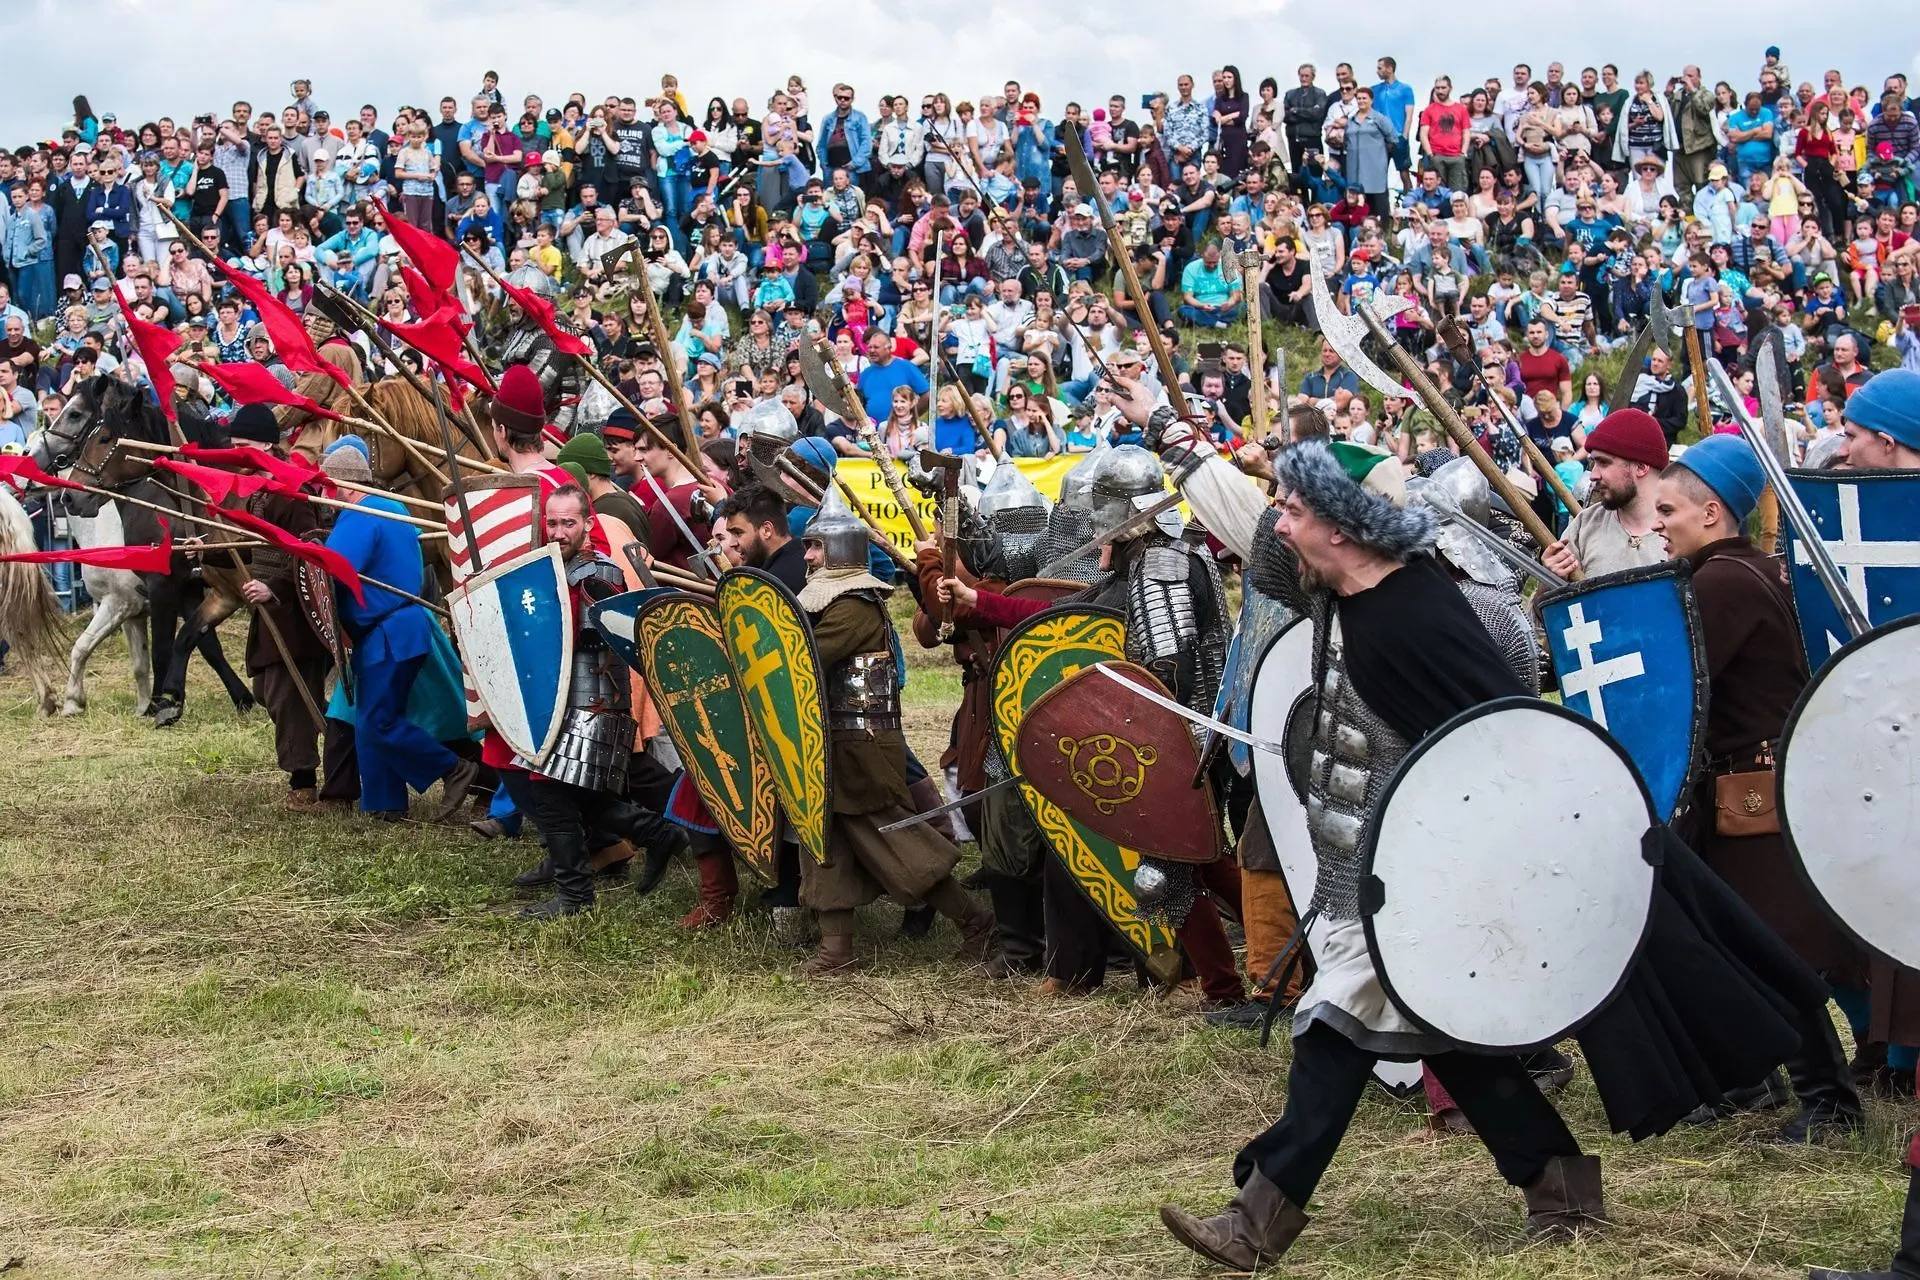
(564,388)
(1013,516)
(859,653)
(1484,579)
(1070,522)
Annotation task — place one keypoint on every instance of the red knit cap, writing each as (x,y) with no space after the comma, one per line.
(1632,435)
(519,404)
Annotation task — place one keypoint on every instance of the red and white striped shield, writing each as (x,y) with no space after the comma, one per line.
(509,519)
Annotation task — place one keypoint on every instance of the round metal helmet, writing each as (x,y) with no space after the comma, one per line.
(535,281)
(841,534)
(1008,489)
(1131,479)
(768,418)
(1460,486)
(1076,487)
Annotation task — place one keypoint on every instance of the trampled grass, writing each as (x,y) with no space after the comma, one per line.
(240,1043)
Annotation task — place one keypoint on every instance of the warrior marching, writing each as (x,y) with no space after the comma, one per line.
(705,664)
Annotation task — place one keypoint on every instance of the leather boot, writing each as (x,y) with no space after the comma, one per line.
(1906,1259)
(977,943)
(835,957)
(572,883)
(1253,1231)
(1829,1107)
(1565,1199)
(611,860)
(301,800)
(537,876)
(663,841)
(719,883)
(454,786)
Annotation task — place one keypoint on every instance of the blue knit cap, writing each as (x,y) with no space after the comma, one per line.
(1726,464)
(351,442)
(1890,404)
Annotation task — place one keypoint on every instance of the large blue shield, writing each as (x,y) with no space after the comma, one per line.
(514,625)
(1870,522)
(1627,652)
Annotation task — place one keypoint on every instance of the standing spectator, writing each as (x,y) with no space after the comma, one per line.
(1692,111)
(1751,130)
(1303,111)
(1371,140)
(1393,98)
(1230,110)
(1185,135)
(1443,135)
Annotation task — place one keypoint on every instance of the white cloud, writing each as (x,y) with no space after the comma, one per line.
(144,58)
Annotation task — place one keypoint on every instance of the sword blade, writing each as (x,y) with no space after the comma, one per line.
(1131,525)
(949,806)
(1509,554)
(697,553)
(1189,714)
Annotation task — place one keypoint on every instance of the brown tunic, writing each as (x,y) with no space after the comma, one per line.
(279,571)
(869,789)
(973,650)
(1756,668)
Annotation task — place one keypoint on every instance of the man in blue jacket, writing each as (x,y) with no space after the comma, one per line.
(846,139)
(391,637)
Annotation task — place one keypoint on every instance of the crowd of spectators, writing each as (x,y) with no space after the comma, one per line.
(1543,210)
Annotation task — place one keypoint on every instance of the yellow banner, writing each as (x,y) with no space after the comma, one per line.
(863,477)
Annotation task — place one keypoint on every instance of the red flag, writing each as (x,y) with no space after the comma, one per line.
(420,292)
(156,346)
(542,312)
(249,383)
(336,565)
(438,339)
(438,261)
(289,475)
(140,559)
(219,485)
(290,338)
(19,466)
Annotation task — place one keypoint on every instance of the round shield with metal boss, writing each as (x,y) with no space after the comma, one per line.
(1847,766)
(1505,891)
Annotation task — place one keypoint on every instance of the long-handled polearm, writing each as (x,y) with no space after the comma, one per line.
(828,383)
(1090,190)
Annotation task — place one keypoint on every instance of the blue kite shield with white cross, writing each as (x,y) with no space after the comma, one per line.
(613,619)
(1870,521)
(1628,655)
(514,626)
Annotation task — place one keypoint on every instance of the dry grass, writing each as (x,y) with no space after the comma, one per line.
(243,1044)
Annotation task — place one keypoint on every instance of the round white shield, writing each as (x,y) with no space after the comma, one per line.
(1848,766)
(1511,891)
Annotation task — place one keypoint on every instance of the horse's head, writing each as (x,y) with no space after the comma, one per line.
(79,442)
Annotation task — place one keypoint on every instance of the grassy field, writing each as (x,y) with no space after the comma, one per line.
(240,1043)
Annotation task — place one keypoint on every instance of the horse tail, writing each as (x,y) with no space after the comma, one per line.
(30,617)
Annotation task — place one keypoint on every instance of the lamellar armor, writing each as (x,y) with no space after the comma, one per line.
(596,735)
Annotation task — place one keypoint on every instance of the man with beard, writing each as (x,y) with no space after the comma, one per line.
(1614,531)
(754,521)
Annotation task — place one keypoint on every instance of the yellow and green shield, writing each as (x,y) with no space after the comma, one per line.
(770,649)
(682,654)
(1039,655)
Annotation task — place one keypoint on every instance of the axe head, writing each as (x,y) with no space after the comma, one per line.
(934,460)
(1664,320)
(820,382)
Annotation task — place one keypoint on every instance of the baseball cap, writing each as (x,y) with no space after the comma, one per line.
(698,135)
(1716,170)
(535,157)
(71,282)
(1083,210)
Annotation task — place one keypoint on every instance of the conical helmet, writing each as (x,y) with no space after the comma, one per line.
(841,534)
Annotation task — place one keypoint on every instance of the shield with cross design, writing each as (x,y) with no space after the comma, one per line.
(514,626)
(1870,523)
(776,669)
(1627,651)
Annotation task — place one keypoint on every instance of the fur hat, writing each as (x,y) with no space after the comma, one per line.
(520,406)
(1331,486)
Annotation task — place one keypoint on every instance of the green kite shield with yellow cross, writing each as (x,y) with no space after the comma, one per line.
(777,671)
(681,653)
(1039,655)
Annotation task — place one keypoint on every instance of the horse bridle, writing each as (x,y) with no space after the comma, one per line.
(68,448)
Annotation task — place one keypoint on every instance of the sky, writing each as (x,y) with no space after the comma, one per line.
(139,59)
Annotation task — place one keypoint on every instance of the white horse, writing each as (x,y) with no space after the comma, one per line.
(118,601)
(29,611)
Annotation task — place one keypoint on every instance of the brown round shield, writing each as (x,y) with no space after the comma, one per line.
(1125,768)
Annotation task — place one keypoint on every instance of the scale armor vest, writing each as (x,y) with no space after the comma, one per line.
(529,345)
(1167,627)
(864,693)
(1353,755)
(596,736)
